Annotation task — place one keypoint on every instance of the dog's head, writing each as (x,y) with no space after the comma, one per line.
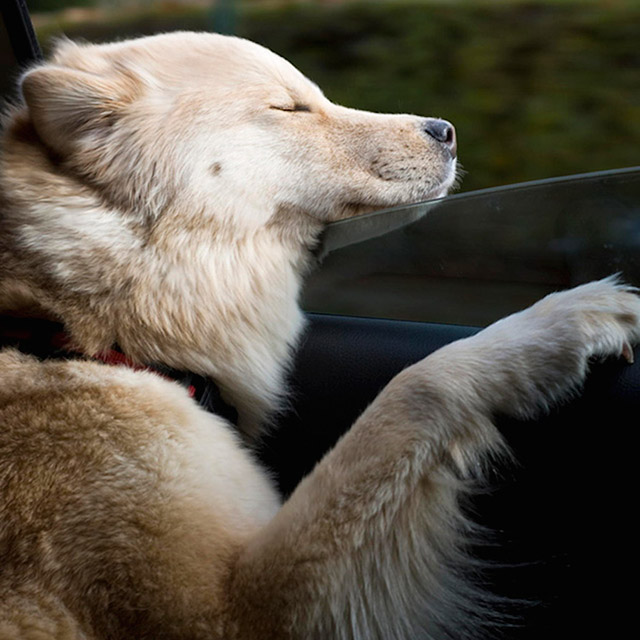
(205,118)
(162,194)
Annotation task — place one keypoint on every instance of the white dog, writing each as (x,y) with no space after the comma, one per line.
(163,195)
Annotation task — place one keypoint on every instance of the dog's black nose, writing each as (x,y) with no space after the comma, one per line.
(442,131)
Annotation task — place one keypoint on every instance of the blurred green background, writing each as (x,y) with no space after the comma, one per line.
(535,89)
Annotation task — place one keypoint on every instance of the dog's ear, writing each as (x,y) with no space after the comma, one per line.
(67,105)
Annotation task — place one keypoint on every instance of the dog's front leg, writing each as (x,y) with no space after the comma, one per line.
(370,545)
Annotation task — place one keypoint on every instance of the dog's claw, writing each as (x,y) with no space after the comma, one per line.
(627,353)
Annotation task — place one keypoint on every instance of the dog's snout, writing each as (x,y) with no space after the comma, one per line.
(442,131)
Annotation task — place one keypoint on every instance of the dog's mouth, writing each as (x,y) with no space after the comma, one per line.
(419,179)
(410,191)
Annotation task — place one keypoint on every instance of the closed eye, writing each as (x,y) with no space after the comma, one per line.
(295,107)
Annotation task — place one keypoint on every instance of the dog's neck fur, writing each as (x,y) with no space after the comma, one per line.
(166,290)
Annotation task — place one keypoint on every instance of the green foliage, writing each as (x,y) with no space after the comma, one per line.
(535,89)
(56,5)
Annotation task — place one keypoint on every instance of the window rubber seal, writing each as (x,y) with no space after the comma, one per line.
(22,35)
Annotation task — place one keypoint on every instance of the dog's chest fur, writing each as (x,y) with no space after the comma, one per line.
(184,288)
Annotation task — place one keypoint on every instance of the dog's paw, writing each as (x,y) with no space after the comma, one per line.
(531,360)
(597,320)
(566,331)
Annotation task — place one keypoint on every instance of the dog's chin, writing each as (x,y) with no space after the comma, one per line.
(431,194)
(400,194)
(353,209)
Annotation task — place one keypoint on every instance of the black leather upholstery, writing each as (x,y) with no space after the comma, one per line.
(557,515)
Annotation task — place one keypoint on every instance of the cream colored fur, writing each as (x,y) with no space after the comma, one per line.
(164,194)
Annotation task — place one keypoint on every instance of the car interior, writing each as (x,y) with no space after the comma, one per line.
(558,517)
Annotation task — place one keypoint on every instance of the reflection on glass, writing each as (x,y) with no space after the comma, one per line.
(472,258)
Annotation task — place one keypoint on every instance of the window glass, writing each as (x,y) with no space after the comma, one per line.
(473,258)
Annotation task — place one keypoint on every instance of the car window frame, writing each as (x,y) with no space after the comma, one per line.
(22,35)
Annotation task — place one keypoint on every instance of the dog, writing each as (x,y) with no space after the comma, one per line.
(161,198)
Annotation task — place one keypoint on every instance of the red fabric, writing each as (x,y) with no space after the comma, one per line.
(113,357)
(51,334)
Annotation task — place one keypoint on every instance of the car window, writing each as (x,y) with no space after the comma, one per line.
(475,257)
